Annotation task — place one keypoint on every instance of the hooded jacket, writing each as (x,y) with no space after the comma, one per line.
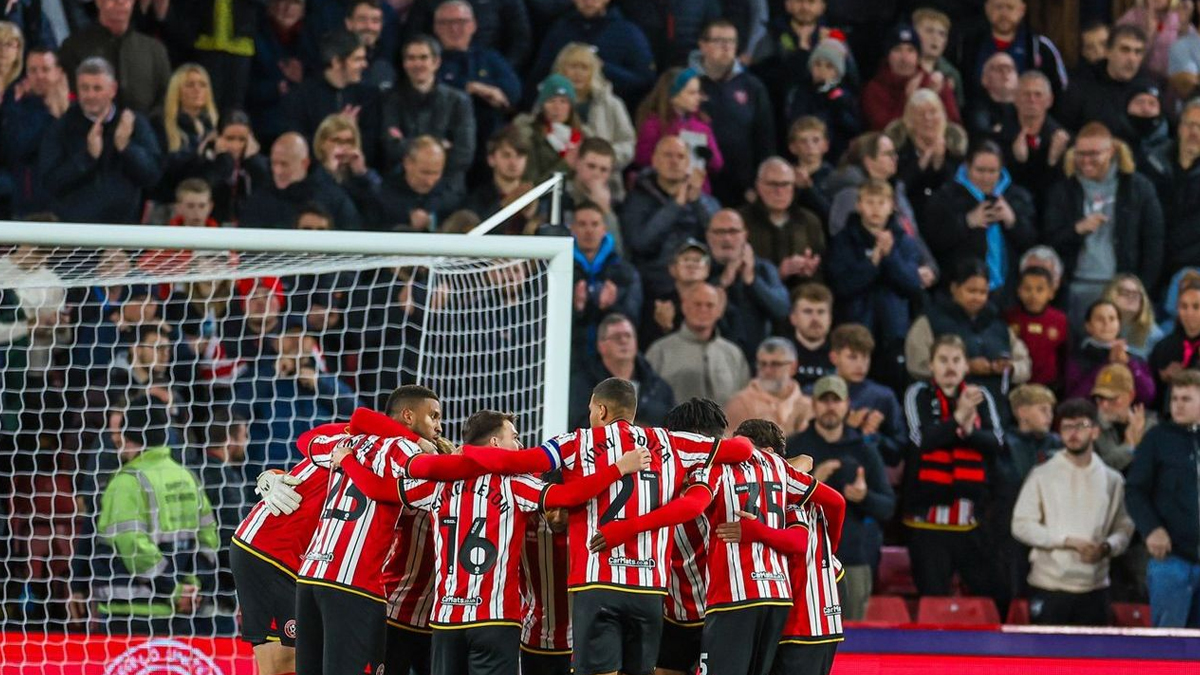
(1162,487)
(605,266)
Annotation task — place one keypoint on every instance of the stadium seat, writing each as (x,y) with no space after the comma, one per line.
(1131,615)
(895,572)
(965,611)
(1018,612)
(888,610)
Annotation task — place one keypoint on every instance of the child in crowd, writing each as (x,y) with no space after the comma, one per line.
(823,96)
(193,204)
(811,318)
(1101,346)
(1032,441)
(673,109)
(934,28)
(1041,327)
(808,142)
(874,409)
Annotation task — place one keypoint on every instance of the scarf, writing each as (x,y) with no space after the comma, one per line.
(997,251)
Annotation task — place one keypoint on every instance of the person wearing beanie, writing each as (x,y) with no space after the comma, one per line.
(673,109)
(553,130)
(824,96)
(898,76)
(1144,110)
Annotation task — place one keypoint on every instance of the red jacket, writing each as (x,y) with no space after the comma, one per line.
(1045,335)
(884,97)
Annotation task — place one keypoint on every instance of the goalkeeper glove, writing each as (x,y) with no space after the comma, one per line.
(275,488)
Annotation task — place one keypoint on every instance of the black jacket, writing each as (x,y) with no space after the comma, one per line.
(1034,174)
(314,99)
(1099,98)
(444,113)
(672,27)
(654,225)
(393,201)
(864,520)
(1161,489)
(1179,195)
(655,397)
(743,122)
(271,207)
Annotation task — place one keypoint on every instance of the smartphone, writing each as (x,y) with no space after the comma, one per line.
(990,200)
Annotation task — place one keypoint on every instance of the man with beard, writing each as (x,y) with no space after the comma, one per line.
(1071,511)
(846,463)
(774,394)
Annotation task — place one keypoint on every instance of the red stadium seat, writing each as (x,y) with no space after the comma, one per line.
(1131,615)
(1018,612)
(895,572)
(965,611)
(888,610)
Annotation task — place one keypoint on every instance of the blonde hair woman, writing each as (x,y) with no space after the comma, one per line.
(930,147)
(602,112)
(1136,312)
(337,145)
(187,127)
(12,54)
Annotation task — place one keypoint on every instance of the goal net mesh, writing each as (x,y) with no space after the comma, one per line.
(242,351)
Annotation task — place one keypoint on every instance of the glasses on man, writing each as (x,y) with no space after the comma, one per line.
(1072,427)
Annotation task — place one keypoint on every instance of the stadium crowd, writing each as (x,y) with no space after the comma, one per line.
(993,244)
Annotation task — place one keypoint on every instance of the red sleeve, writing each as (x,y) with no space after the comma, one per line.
(509,462)
(792,541)
(576,492)
(685,508)
(834,505)
(373,486)
(443,467)
(733,450)
(305,442)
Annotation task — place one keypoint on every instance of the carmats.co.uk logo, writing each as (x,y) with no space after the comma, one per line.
(162,657)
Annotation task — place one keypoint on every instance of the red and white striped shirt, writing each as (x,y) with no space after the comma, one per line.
(743,575)
(408,570)
(355,533)
(684,603)
(641,564)
(478,534)
(816,614)
(282,540)
(547,624)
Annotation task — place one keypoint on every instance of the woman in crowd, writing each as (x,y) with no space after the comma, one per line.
(12,58)
(673,109)
(234,165)
(337,147)
(929,146)
(1101,346)
(554,130)
(1138,328)
(187,128)
(602,112)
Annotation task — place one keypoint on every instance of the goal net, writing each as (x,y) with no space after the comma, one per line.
(224,346)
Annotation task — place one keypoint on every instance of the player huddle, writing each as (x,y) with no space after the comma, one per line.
(613,548)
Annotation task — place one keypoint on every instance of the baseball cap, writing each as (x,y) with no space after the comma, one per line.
(692,243)
(1113,380)
(831,384)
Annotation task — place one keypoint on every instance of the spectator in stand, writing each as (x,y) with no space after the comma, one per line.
(992,110)
(148,370)
(1042,327)
(1071,511)
(257,319)
(850,465)
(1031,443)
(222,470)
(739,107)
(193,205)
(140,61)
(234,167)
(1176,175)
(673,109)
(1093,48)
(482,72)
(1136,311)
(604,282)
(673,29)
(877,267)
(186,128)
(808,142)
(981,214)
(553,130)
(791,36)
(1183,64)
(689,267)
(507,156)
(97,315)
(1103,98)
(1100,346)
(199,310)
(1164,500)
(757,299)
(773,394)
(790,235)
(1034,142)
(419,105)
(874,410)
(621,46)
(337,147)
(995,357)
(929,147)
(810,320)
(1005,29)
(665,208)
(1165,22)
(695,359)
(1103,219)
(1150,129)
(1123,423)
(617,347)
(26,120)
(601,111)
(292,186)
(364,18)
(504,27)
(956,435)
(420,196)
(12,56)
(1179,349)
(593,180)
(933,27)
(1045,257)
(96,160)
(339,89)
(886,96)
(285,52)
(288,393)
(822,96)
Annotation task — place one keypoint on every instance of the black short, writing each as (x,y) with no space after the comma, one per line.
(337,631)
(267,595)
(615,631)
(539,663)
(407,649)
(800,659)
(742,640)
(481,650)
(679,649)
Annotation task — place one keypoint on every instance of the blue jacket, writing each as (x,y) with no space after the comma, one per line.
(1161,489)
(877,296)
(480,64)
(24,125)
(263,98)
(620,44)
(605,266)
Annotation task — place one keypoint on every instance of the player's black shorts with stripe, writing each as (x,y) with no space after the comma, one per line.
(804,659)
(742,640)
(337,630)
(543,663)
(615,631)
(478,650)
(267,595)
(407,649)
(680,646)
